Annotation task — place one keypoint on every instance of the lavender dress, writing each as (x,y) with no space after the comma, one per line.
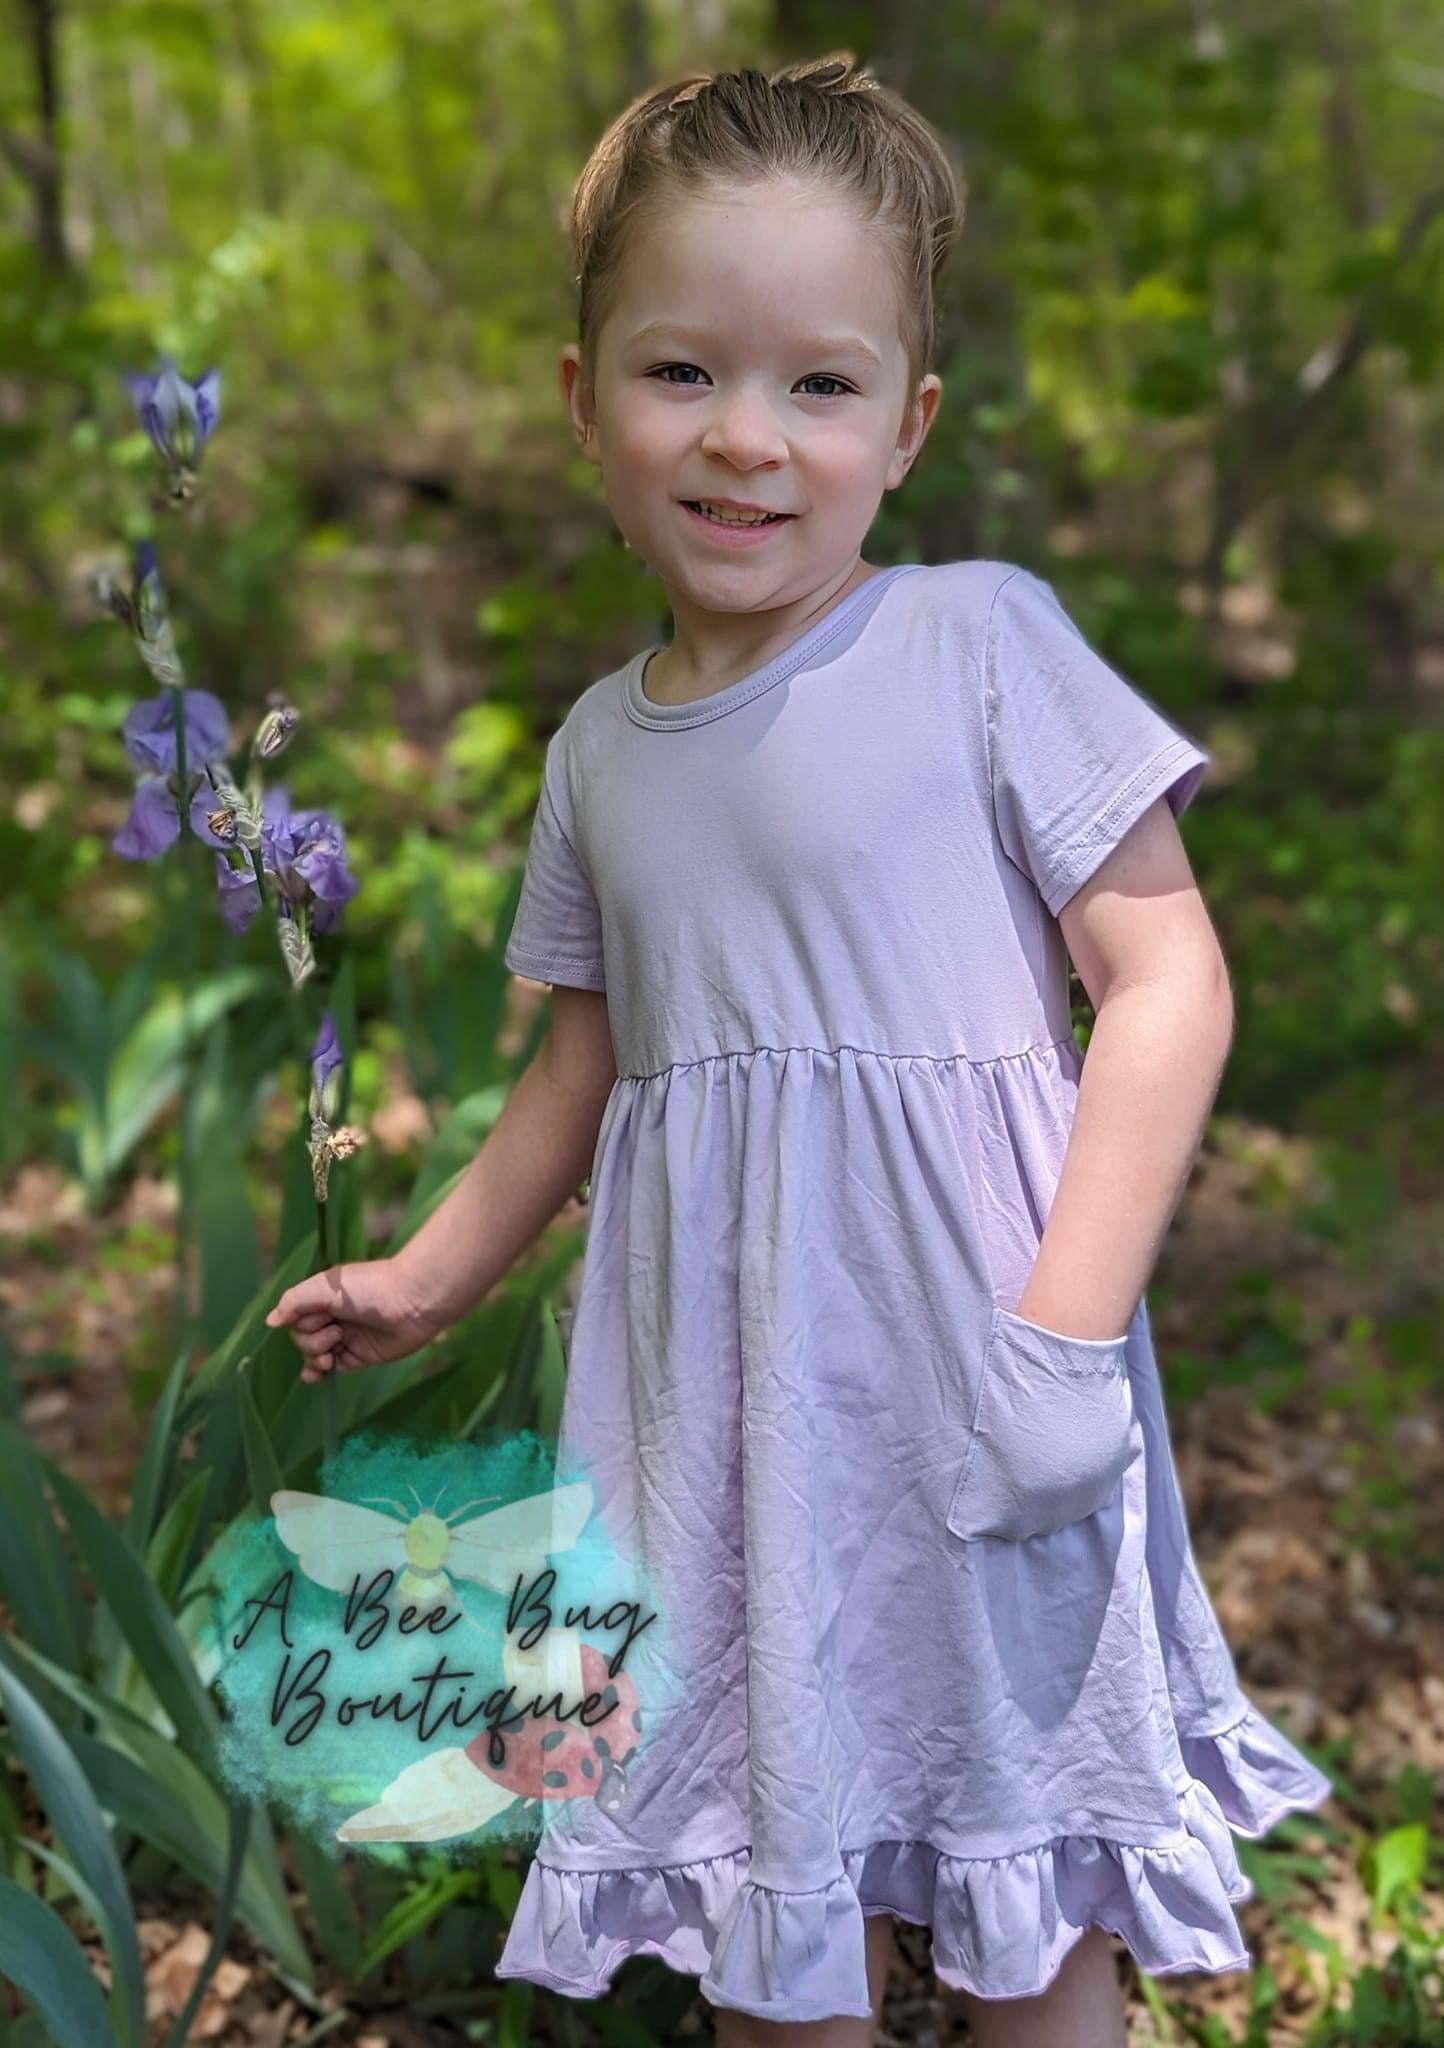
(948,1653)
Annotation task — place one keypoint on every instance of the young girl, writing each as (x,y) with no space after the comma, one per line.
(861,1366)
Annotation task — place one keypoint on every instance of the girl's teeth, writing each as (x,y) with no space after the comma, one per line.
(736,518)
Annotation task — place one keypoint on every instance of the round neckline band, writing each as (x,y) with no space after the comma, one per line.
(664,717)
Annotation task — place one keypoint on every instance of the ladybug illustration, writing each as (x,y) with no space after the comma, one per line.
(451,1792)
(548,1758)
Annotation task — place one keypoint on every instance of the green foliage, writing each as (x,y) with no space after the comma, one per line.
(96,1873)
(120,1058)
(1191,354)
(128,1653)
(42,1957)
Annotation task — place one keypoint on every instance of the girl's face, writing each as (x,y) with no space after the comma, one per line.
(752,353)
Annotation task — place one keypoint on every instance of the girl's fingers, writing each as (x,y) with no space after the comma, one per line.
(288,1313)
(316,1343)
(336,1358)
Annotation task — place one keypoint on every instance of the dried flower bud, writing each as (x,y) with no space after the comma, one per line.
(249,824)
(151,622)
(275,732)
(296,951)
(326,1145)
(114,598)
(319,1148)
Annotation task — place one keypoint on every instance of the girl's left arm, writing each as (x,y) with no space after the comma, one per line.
(1143,943)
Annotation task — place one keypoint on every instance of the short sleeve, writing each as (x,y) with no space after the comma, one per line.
(556,935)
(1076,753)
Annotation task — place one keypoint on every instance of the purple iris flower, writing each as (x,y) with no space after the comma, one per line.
(238,892)
(326,1063)
(304,853)
(149,731)
(179,416)
(150,741)
(154,821)
(326,1053)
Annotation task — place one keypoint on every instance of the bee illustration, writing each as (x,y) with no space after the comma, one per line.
(336,1539)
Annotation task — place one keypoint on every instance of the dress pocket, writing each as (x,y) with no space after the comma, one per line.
(1053,1431)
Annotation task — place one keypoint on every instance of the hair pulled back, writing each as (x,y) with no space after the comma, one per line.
(824,122)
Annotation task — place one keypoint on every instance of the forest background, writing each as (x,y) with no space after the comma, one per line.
(1191,349)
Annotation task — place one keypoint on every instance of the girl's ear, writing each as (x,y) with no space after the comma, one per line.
(578,400)
(914,431)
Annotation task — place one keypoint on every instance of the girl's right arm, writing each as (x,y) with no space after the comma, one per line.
(535,1155)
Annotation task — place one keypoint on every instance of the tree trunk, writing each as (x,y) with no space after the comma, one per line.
(44,168)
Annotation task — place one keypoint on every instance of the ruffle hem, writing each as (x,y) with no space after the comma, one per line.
(1001,1926)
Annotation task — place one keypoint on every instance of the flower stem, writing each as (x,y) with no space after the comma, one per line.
(303,1037)
(187,1281)
(328,1382)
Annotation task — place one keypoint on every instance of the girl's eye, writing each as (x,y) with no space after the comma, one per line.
(813,377)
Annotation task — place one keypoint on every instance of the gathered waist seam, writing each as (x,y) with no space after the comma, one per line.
(932,1059)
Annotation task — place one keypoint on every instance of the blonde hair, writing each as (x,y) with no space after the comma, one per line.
(825,122)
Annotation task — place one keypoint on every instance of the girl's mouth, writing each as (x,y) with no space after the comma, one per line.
(732,533)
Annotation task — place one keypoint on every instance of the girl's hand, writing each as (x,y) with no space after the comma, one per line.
(353,1315)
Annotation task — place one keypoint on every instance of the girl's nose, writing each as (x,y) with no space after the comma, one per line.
(744,431)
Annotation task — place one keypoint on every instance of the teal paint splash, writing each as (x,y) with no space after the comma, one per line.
(363,1664)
